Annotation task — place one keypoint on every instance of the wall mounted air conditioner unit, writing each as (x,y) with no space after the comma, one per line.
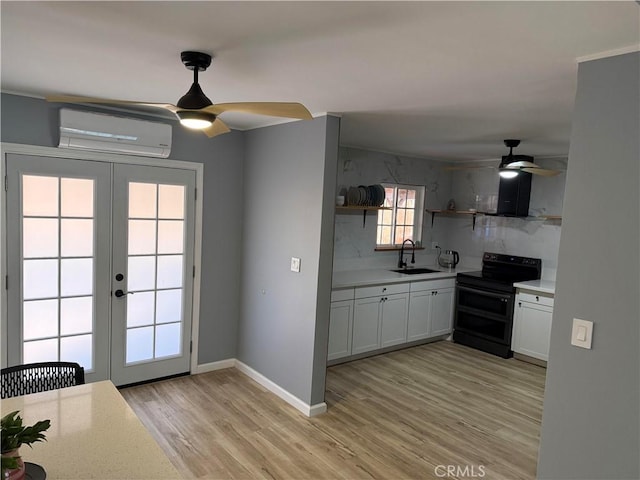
(107,133)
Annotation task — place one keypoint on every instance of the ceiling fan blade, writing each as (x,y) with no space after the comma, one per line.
(521,164)
(107,101)
(541,171)
(467,167)
(218,127)
(272,109)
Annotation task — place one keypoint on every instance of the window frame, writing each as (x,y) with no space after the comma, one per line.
(418,216)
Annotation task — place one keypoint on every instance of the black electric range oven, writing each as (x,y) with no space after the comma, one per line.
(485,299)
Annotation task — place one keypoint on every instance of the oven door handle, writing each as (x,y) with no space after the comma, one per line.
(504,296)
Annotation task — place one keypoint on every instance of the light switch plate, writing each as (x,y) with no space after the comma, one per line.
(582,333)
(295,264)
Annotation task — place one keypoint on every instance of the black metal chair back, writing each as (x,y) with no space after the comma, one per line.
(39,377)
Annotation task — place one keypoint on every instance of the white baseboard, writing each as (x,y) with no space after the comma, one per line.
(305,408)
(317,409)
(210,367)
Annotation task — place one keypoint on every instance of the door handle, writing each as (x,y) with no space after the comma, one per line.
(119,293)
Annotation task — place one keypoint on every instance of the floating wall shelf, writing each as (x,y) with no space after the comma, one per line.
(359,208)
(474,214)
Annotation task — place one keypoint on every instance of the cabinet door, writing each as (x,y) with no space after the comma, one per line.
(532,329)
(419,318)
(366,314)
(340,329)
(442,312)
(395,309)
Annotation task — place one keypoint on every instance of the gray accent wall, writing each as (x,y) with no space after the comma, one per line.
(591,420)
(289,190)
(34,121)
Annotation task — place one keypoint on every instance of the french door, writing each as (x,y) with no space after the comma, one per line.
(100,261)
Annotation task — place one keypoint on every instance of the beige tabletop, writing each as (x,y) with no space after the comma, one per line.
(93,434)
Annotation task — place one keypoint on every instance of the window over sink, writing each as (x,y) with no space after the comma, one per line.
(403,218)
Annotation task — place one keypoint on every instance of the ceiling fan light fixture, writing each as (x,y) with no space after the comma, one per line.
(508,173)
(196,120)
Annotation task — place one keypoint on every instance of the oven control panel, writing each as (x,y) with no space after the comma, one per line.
(510,259)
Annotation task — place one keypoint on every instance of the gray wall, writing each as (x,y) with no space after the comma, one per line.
(325,270)
(591,421)
(289,182)
(35,122)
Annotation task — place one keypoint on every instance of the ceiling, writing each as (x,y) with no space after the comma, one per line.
(441,80)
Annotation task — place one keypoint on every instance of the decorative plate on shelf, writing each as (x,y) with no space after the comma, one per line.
(363,195)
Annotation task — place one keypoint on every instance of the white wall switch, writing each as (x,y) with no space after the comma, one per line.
(295,264)
(582,333)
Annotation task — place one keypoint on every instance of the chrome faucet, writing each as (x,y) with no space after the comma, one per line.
(401,262)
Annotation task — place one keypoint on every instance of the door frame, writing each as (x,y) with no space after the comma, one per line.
(54,152)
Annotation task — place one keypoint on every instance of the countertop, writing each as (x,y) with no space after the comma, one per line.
(541,286)
(376,276)
(94,434)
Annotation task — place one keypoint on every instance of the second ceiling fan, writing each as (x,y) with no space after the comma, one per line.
(194,109)
(512,164)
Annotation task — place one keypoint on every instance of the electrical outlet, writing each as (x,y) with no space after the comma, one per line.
(295,264)
(434,245)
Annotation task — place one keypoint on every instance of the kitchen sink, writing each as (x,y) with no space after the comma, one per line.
(415,271)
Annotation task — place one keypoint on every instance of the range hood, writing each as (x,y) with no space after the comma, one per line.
(514,193)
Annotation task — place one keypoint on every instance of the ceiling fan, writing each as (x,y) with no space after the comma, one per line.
(194,109)
(512,164)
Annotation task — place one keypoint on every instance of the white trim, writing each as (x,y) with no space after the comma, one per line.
(305,408)
(4,314)
(609,53)
(55,152)
(34,150)
(197,263)
(213,366)
(317,409)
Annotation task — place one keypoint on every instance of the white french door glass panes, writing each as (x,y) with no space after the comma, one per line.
(57,250)
(100,261)
(155,259)
(58,309)
(153,256)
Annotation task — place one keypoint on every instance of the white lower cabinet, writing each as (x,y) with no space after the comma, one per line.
(532,325)
(366,319)
(419,317)
(340,329)
(379,322)
(393,319)
(442,312)
(366,325)
(430,309)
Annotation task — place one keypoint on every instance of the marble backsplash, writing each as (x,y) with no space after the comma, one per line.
(354,246)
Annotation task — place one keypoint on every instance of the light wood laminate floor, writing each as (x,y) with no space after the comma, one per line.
(393,416)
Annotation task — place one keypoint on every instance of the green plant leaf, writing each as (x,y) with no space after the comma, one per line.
(13,434)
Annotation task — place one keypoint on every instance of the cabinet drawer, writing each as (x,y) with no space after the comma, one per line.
(426,285)
(342,294)
(377,290)
(538,298)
